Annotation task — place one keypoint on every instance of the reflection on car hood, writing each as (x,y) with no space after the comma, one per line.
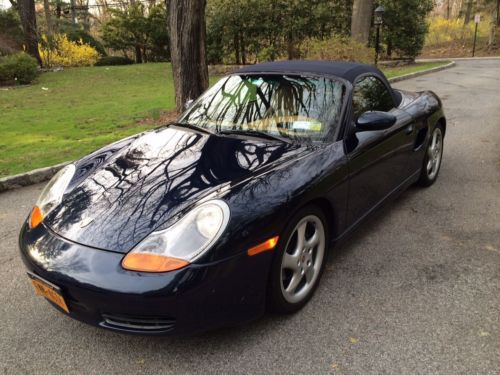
(124,192)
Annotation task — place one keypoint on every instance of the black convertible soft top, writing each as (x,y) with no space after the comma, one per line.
(347,70)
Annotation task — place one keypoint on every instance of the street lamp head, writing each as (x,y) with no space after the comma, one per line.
(379,15)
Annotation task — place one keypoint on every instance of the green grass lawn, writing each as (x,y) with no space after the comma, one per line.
(65,115)
(402,70)
(81,110)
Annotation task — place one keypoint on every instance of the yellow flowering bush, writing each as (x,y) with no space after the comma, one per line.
(442,30)
(60,51)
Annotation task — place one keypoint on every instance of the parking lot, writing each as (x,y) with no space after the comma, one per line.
(415,290)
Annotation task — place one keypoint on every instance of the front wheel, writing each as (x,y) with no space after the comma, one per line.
(299,261)
(432,158)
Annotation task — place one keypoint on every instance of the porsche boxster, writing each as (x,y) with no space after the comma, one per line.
(231,210)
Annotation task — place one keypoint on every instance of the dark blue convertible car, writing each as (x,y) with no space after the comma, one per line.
(233,209)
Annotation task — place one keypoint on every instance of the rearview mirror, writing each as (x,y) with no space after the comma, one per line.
(375,120)
(188,103)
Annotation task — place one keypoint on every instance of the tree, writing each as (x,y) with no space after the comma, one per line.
(126,29)
(11,32)
(243,31)
(156,28)
(468,11)
(48,17)
(362,11)
(405,26)
(495,17)
(140,29)
(186,20)
(498,13)
(27,14)
(137,46)
(492,33)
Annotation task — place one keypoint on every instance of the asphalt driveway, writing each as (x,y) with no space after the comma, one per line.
(416,290)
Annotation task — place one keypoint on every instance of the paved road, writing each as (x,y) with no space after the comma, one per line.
(416,290)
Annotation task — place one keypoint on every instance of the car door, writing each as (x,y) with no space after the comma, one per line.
(378,159)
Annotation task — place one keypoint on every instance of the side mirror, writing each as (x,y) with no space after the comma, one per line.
(375,120)
(188,103)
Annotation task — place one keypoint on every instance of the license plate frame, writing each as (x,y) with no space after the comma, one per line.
(49,291)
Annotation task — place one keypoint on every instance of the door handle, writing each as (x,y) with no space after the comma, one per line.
(409,129)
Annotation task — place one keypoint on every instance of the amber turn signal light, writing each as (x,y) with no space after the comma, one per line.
(145,262)
(264,246)
(36,217)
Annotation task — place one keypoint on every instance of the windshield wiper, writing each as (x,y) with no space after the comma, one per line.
(194,127)
(256,133)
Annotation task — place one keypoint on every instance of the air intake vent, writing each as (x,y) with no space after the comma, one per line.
(138,324)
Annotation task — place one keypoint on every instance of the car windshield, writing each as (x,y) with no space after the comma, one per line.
(279,106)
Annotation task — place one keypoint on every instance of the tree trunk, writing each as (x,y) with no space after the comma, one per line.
(236,42)
(48,17)
(492,35)
(243,49)
(86,17)
(28,22)
(74,19)
(289,46)
(361,20)
(138,54)
(468,11)
(186,20)
(498,12)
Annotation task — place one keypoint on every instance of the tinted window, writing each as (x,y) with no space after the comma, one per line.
(370,94)
(284,105)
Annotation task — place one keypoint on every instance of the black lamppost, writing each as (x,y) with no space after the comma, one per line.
(379,19)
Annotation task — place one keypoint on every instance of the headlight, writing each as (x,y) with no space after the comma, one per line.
(51,195)
(181,243)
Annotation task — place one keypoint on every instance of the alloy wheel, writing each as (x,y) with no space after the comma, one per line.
(303,258)
(434,153)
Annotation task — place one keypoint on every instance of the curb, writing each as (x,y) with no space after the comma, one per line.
(421,73)
(44,174)
(29,178)
(437,59)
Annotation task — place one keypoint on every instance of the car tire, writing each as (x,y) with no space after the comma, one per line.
(432,158)
(299,261)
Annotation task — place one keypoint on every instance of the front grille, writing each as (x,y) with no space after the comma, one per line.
(138,324)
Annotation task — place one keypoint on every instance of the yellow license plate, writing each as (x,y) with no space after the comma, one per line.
(50,291)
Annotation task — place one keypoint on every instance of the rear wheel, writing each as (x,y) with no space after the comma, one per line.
(432,158)
(299,261)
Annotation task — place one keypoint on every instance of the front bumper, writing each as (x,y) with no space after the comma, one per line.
(193,299)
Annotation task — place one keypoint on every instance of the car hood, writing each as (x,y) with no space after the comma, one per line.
(122,193)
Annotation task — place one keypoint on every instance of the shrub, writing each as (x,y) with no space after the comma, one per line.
(84,37)
(138,28)
(60,51)
(11,34)
(405,26)
(20,68)
(337,48)
(113,60)
(269,53)
(443,31)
